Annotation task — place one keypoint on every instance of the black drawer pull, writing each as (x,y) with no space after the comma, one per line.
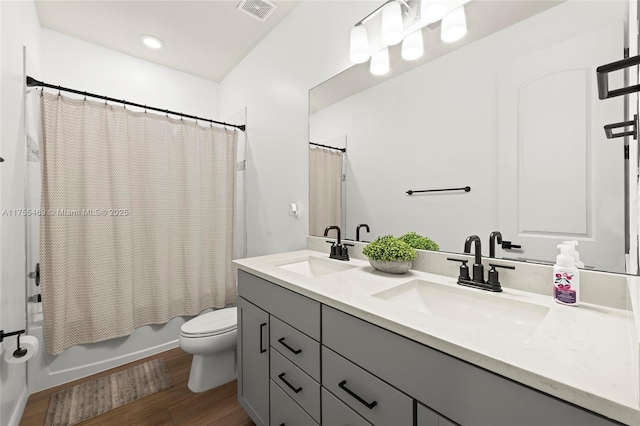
(295,351)
(369,405)
(281,377)
(261,333)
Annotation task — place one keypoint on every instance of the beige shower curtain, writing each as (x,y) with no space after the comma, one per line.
(325,189)
(139,223)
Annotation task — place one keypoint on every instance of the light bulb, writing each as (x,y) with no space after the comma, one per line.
(359,47)
(412,46)
(454,25)
(380,62)
(392,26)
(432,10)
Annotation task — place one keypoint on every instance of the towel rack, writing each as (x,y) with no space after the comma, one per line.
(465,189)
(603,78)
(608,129)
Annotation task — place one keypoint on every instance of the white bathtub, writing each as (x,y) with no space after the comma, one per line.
(45,371)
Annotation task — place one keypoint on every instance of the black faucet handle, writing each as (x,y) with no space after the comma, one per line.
(508,245)
(464,269)
(493,274)
(347,244)
(493,266)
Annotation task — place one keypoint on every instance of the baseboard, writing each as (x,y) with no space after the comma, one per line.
(16,417)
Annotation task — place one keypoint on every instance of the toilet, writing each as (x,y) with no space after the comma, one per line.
(211,338)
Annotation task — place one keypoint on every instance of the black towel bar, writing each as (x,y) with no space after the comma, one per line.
(465,189)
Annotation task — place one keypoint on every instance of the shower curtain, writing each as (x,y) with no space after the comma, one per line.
(138,221)
(325,189)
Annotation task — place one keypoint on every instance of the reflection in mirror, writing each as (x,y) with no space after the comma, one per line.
(515,115)
(326,185)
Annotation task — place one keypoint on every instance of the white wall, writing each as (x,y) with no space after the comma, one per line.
(309,46)
(19,26)
(73,63)
(437,126)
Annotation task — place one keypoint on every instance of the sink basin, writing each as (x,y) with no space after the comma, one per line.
(492,313)
(311,266)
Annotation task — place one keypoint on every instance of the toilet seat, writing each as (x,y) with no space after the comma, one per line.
(211,324)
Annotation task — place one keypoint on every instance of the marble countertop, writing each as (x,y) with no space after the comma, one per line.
(586,355)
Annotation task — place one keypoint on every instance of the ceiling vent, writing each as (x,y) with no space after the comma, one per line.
(258,9)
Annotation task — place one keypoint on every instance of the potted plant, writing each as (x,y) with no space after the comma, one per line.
(419,242)
(390,254)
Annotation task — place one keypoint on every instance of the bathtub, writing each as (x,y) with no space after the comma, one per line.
(45,371)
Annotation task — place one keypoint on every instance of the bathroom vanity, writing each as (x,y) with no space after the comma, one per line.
(335,343)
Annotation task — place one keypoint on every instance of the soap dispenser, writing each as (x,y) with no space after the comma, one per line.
(566,278)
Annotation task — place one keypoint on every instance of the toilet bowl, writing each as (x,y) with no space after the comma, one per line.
(212,339)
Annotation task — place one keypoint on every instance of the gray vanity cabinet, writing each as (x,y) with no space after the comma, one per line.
(427,417)
(289,388)
(459,391)
(304,363)
(253,361)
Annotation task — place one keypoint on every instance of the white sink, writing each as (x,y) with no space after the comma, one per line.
(487,312)
(312,266)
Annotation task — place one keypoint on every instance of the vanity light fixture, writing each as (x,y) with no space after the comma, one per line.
(359,48)
(454,25)
(412,47)
(380,62)
(151,41)
(404,21)
(433,10)
(392,25)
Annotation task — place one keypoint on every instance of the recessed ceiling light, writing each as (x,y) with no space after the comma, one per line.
(151,41)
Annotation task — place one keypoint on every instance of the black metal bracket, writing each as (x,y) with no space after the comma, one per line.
(608,129)
(603,78)
(465,189)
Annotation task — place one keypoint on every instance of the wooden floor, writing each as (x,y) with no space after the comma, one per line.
(176,405)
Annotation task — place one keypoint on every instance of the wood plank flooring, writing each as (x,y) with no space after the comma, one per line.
(176,405)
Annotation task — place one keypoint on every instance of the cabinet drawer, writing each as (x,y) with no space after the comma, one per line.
(285,412)
(369,396)
(292,308)
(296,346)
(336,412)
(296,383)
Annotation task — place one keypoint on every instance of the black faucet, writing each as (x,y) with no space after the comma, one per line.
(495,236)
(339,251)
(478,269)
(358,230)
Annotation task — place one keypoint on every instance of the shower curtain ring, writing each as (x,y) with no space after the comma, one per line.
(124,103)
(166,113)
(58,90)
(145,108)
(85,96)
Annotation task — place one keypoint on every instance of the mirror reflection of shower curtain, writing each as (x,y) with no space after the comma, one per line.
(140,223)
(325,188)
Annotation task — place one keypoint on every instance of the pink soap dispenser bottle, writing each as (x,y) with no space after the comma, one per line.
(566,278)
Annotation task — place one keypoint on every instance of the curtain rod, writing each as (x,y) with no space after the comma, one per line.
(32,82)
(330,147)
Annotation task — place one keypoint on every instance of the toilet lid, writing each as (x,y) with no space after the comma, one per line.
(211,323)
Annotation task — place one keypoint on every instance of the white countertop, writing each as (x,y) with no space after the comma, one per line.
(583,355)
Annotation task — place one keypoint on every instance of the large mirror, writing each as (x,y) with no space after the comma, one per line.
(511,111)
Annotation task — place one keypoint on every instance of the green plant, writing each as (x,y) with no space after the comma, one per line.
(389,248)
(419,242)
